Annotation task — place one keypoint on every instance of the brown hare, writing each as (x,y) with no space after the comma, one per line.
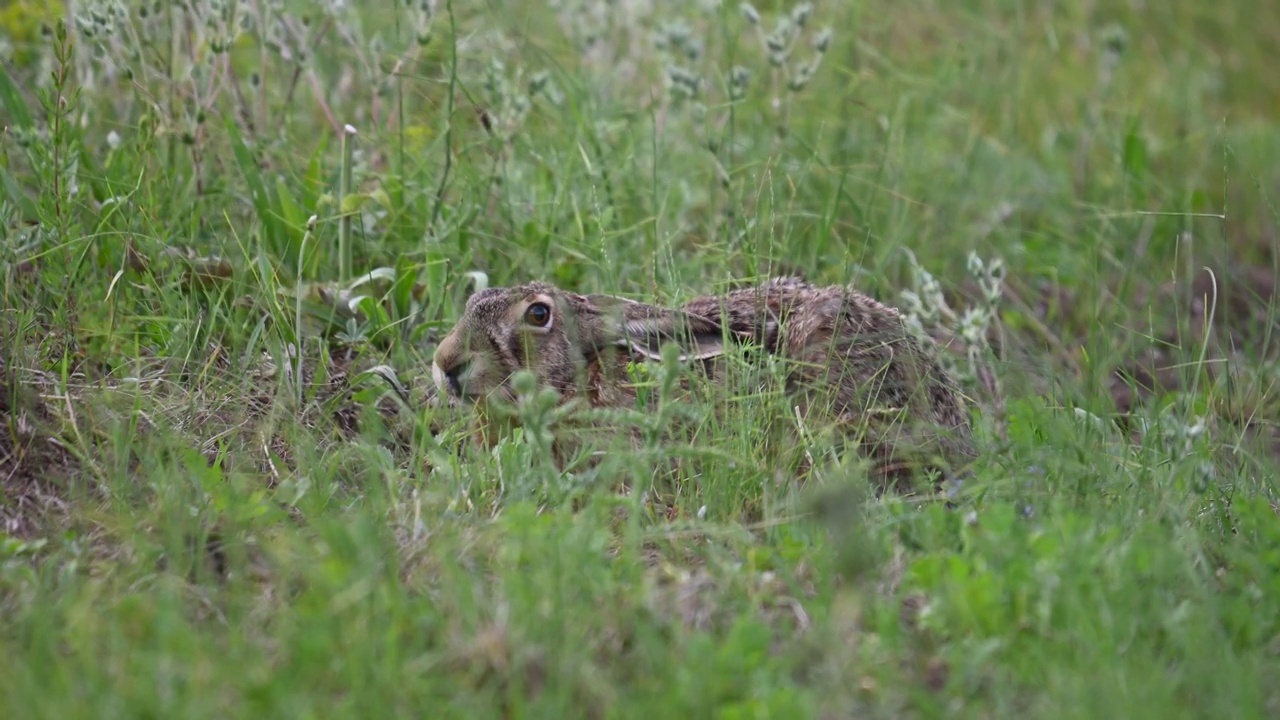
(850,357)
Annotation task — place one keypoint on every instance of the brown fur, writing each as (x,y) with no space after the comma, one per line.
(852,358)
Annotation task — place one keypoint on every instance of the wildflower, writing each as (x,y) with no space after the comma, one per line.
(822,40)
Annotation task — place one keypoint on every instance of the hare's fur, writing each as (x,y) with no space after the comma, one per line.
(852,357)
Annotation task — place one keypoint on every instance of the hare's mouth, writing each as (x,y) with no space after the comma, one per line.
(453,384)
(463,394)
(464,384)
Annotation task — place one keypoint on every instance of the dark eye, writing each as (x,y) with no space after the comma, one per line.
(537,314)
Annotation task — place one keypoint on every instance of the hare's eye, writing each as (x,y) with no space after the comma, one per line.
(538,315)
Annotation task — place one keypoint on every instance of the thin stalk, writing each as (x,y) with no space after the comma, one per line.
(448,115)
(344,217)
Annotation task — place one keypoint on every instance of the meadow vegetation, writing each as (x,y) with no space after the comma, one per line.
(219,216)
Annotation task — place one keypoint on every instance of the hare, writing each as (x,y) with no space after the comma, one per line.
(848,355)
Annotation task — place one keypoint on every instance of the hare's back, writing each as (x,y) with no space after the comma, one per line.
(788,316)
(853,356)
(846,344)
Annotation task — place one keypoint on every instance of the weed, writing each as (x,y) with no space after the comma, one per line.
(213,503)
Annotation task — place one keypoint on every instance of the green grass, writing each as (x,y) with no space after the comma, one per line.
(186,530)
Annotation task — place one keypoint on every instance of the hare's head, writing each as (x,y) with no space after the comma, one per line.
(556,335)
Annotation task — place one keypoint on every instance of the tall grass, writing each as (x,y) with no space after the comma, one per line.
(220,216)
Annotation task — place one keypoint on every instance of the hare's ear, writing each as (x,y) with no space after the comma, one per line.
(645,328)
